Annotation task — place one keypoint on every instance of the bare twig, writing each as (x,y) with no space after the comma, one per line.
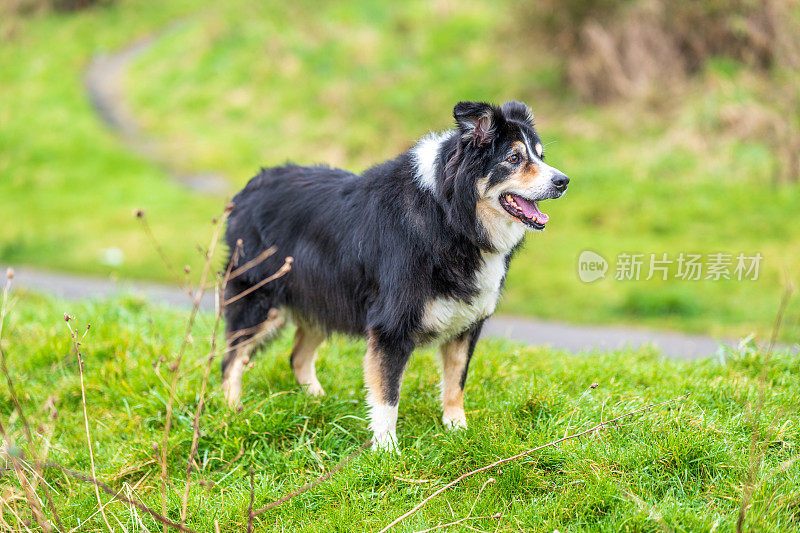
(475,502)
(175,367)
(250,515)
(76,346)
(286,267)
(30,495)
(261,330)
(601,425)
(28,487)
(585,393)
(459,521)
(220,290)
(140,214)
(11,389)
(117,495)
(14,512)
(323,478)
(253,262)
(41,457)
(757,458)
(469,514)
(414,481)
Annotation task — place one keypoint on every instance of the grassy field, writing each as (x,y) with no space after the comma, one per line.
(243,84)
(680,467)
(67,185)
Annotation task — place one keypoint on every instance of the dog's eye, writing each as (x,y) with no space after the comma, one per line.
(514,159)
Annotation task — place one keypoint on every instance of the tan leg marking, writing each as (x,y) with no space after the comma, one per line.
(373,378)
(240,355)
(232,379)
(382,416)
(454,359)
(306,341)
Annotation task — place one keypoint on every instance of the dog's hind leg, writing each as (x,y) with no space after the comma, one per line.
(456,355)
(240,345)
(384,365)
(306,341)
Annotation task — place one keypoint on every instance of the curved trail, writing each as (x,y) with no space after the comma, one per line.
(104,84)
(104,79)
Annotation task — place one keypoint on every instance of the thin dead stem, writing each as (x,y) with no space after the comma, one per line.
(76,345)
(286,267)
(469,516)
(220,290)
(30,495)
(118,496)
(139,214)
(253,262)
(323,478)
(11,389)
(28,488)
(19,520)
(756,457)
(457,522)
(261,331)
(250,516)
(601,425)
(575,410)
(198,295)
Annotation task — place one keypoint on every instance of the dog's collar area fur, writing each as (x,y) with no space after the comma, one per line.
(426,155)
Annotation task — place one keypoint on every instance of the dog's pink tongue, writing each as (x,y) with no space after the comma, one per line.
(531,210)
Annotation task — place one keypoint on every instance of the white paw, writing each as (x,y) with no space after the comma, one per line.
(455,421)
(385,442)
(233,393)
(314,389)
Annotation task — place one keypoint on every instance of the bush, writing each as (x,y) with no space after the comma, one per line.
(25,7)
(637,47)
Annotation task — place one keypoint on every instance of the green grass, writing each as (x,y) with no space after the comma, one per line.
(242,84)
(683,465)
(68,187)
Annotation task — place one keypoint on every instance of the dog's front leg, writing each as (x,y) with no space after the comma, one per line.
(384,365)
(456,355)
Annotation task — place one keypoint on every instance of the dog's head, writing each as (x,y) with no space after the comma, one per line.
(493,174)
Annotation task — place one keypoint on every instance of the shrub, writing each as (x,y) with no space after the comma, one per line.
(25,7)
(637,47)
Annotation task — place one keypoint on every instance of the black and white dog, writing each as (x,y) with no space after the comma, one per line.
(414,251)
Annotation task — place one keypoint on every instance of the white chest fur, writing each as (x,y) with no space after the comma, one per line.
(450,316)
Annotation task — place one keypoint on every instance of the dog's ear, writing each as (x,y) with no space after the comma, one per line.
(476,121)
(519,111)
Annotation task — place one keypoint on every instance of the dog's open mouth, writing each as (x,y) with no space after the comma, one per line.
(525,210)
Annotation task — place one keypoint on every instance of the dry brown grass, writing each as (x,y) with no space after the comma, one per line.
(636,48)
(26,7)
(757,122)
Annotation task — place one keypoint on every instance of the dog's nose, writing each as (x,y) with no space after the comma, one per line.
(560,181)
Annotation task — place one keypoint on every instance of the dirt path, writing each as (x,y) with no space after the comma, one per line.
(105,83)
(573,338)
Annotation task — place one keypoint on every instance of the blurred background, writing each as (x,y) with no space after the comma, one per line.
(677,122)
